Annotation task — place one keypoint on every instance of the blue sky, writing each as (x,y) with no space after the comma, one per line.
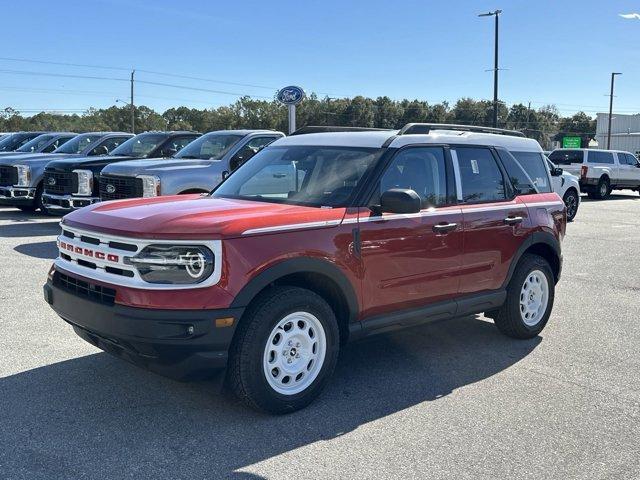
(552,51)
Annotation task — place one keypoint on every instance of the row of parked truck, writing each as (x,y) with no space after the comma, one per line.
(58,172)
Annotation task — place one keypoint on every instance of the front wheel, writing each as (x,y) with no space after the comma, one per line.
(571,202)
(285,350)
(530,296)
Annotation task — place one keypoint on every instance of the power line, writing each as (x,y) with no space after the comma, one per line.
(63,75)
(48,62)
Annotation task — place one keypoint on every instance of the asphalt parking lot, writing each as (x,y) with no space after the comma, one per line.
(448,400)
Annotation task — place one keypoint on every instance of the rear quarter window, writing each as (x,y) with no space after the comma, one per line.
(534,164)
(600,157)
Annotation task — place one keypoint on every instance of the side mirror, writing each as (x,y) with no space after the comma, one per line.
(100,150)
(168,152)
(556,172)
(400,200)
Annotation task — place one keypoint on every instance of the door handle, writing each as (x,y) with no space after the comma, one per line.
(513,220)
(445,227)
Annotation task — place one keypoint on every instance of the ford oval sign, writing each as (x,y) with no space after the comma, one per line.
(291,95)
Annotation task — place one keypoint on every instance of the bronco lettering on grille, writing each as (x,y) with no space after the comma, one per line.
(87,252)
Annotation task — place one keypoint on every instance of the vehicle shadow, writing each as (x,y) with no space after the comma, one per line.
(38,250)
(8,213)
(28,229)
(627,195)
(98,417)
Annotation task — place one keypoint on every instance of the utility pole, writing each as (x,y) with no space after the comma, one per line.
(132,107)
(495,14)
(613,76)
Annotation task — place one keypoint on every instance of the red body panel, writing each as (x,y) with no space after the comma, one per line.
(403,262)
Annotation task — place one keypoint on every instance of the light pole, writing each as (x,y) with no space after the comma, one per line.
(613,76)
(495,66)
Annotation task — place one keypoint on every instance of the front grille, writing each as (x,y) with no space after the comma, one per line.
(114,187)
(8,175)
(60,183)
(80,288)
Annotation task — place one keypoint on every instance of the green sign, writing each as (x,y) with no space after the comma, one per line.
(571,142)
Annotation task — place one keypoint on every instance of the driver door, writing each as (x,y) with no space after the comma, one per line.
(412,260)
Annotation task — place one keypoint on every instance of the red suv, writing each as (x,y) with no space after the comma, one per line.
(319,239)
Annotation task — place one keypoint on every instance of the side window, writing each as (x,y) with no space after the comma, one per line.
(249,150)
(596,156)
(106,146)
(421,169)
(629,159)
(59,142)
(480,177)
(566,157)
(534,164)
(180,142)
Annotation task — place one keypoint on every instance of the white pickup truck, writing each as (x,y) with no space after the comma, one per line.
(600,171)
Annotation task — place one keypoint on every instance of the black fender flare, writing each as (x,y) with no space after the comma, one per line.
(535,238)
(298,265)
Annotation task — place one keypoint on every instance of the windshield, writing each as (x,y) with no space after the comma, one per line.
(140,145)
(566,157)
(314,176)
(79,143)
(11,142)
(37,144)
(212,146)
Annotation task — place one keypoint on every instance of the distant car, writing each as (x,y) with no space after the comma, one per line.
(72,183)
(197,168)
(12,141)
(21,175)
(568,187)
(45,143)
(600,171)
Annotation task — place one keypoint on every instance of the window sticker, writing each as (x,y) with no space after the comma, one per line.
(474,166)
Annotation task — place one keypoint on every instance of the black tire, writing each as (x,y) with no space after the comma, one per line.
(603,189)
(571,200)
(37,202)
(245,373)
(509,318)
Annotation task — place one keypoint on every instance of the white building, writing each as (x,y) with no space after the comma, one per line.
(625,132)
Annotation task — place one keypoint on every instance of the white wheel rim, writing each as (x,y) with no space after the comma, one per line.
(534,297)
(294,353)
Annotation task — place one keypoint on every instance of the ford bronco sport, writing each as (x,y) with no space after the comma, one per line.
(317,240)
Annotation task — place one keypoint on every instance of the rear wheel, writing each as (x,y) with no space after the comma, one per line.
(285,350)
(571,202)
(530,296)
(603,188)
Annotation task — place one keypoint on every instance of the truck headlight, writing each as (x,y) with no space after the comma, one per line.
(24,175)
(173,264)
(85,182)
(150,185)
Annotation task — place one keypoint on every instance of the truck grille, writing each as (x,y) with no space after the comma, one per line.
(80,288)
(60,183)
(114,187)
(8,175)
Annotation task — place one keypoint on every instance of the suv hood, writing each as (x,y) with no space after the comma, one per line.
(66,164)
(152,166)
(194,217)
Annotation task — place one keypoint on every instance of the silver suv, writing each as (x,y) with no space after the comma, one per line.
(197,168)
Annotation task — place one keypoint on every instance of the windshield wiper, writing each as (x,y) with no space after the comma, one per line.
(190,157)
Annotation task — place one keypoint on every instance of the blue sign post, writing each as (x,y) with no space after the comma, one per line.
(291,96)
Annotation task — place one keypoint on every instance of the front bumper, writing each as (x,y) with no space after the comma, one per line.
(17,195)
(180,344)
(66,203)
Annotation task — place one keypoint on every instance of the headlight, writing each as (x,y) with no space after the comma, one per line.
(85,182)
(173,264)
(24,175)
(150,185)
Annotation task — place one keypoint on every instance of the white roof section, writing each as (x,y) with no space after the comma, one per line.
(376,139)
(373,139)
(452,137)
(589,150)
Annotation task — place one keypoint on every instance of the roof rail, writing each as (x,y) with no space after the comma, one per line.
(425,128)
(328,128)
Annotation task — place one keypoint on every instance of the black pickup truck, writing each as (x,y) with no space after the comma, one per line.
(73,183)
